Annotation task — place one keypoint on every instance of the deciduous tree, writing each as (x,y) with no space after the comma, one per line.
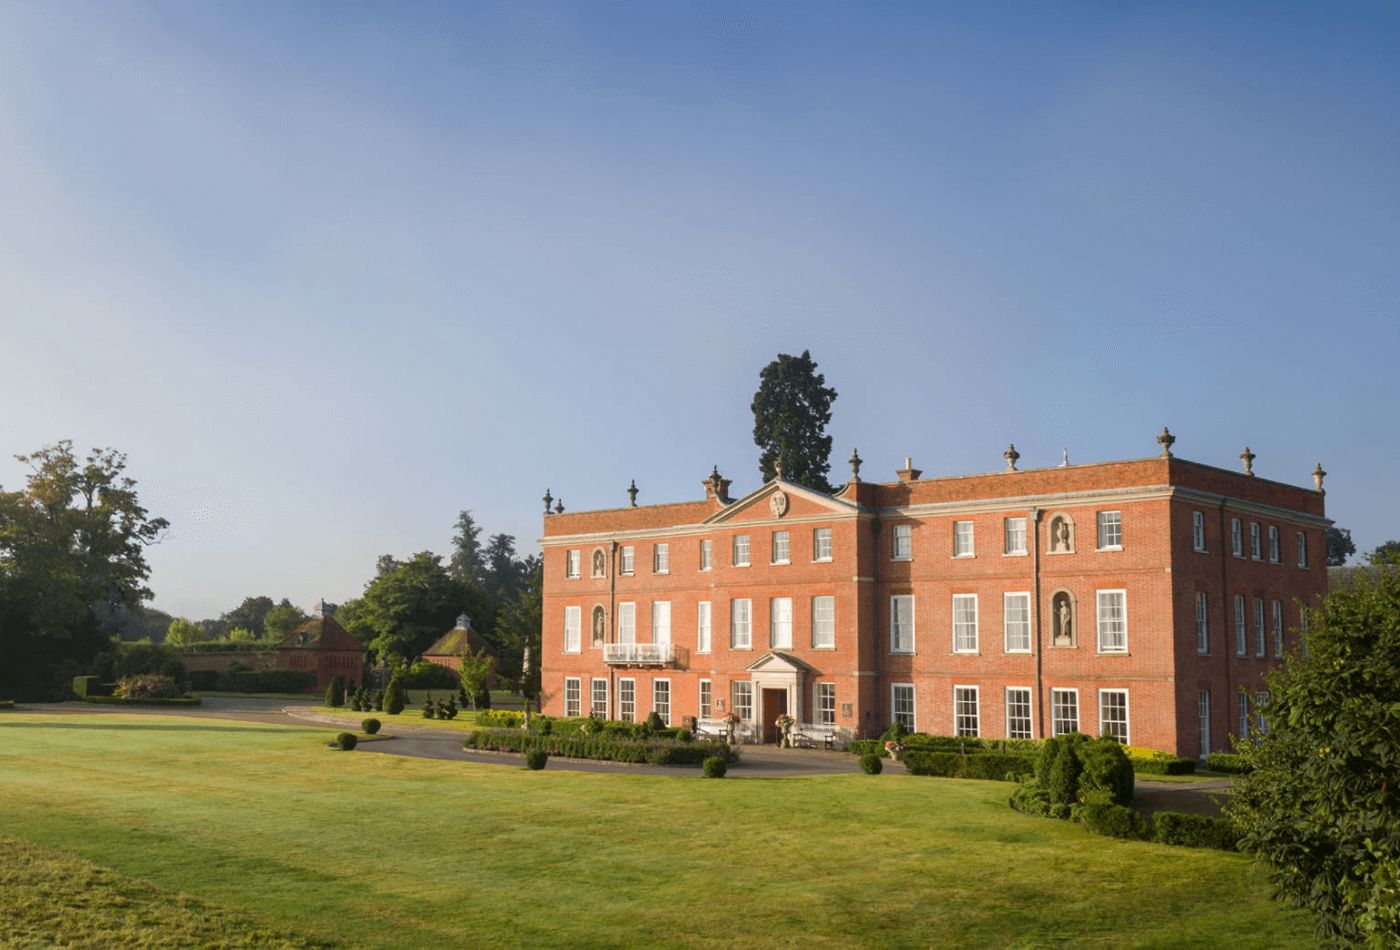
(1339,546)
(183,633)
(1321,806)
(791,411)
(467,563)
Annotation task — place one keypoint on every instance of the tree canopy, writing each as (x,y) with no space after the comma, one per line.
(414,603)
(72,552)
(1339,546)
(1321,807)
(467,562)
(791,411)
(279,622)
(518,624)
(1385,552)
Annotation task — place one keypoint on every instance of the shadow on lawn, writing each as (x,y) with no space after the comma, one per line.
(203,726)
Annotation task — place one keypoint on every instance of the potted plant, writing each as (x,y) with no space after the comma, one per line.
(731,722)
(893,747)
(785,725)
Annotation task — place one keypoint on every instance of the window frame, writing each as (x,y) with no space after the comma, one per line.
(1202,623)
(1198,532)
(661,557)
(1241,626)
(824,716)
(656,701)
(573,564)
(746,543)
(1276,625)
(707,553)
(593,685)
(902,542)
(964,536)
(1237,537)
(627,621)
(625,685)
(1008,547)
(576,612)
(786,537)
(705,699)
(1127,714)
(773,623)
(913,714)
(1006,621)
(1261,642)
(1010,704)
(817,539)
(577,701)
(1203,720)
(737,687)
(959,714)
(1055,719)
(1275,545)
(1099,620)
(895,629)
(1101,523)
(704,626)
(1256,542)
(656,626)
(830,600)
(1301,547)
(734,626)
(627,560)
(976,634)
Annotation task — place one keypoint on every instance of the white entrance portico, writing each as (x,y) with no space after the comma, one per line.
(779,684)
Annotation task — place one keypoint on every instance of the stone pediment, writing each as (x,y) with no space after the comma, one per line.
(778,662)
(779,500)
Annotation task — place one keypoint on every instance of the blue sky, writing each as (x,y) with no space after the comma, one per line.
(329,273)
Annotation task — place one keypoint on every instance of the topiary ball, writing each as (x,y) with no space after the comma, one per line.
(370,726)
(346,741)
(870,764)
(535,759)
(714,767)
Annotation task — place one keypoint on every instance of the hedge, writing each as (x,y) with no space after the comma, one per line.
(253,681)
(1115,821)
(118,701)
(1226,762)
(7,704)
(663,752)
(1163,765)
(997,766)
(500,718)
(918,742)
(1194,831)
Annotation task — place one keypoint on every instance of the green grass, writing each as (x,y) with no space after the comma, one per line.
(366,849)
(1201,776)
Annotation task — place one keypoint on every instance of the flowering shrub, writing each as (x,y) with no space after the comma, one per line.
(148,686)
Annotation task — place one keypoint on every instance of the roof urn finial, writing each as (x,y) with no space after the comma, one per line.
(559,507)
(1247,457)
(632,493)
(1166,440)
(1011,455)
(1318,476)
(1064,458)
(548,500)
(855,465)
(778,468)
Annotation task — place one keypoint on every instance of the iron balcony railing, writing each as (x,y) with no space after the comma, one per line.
(638,653)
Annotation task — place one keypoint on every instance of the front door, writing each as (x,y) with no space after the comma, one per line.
(774,705)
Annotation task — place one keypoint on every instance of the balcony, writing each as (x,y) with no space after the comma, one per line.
(655,654)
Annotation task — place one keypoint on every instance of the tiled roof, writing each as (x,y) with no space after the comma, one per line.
(457,641)
(321,633)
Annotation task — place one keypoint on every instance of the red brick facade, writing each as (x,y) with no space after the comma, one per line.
(1131,643)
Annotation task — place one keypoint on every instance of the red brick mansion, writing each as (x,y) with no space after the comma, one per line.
(1143,599)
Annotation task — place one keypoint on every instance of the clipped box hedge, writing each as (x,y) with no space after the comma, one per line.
(1194,831)
(1163,765)
(121,701)
(1226,762)
(995,766)
(602,748)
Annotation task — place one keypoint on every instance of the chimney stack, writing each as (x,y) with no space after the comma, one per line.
(908,473)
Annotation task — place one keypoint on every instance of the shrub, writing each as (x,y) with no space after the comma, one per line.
(654,723)
(394,697)
(1160,764)
(1227,762)
(426,675)
(1115,821)
(335,692)
(1032,798)
(7,704)
(1194,831)
(658,752)
(1105,766)
(714,766)
(864,746)
(895,732)
(346,741)
(147,686)
(1062,777)
(499,718)
(535,759)
(429,710)
(870,764)
(369,727)
(135,659)
(996,766)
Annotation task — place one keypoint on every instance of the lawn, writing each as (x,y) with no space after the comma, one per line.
(265,825)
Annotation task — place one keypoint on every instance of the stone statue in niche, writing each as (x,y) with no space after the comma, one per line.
(1060,537)
(599,565)
(1063,621)
(599,627)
